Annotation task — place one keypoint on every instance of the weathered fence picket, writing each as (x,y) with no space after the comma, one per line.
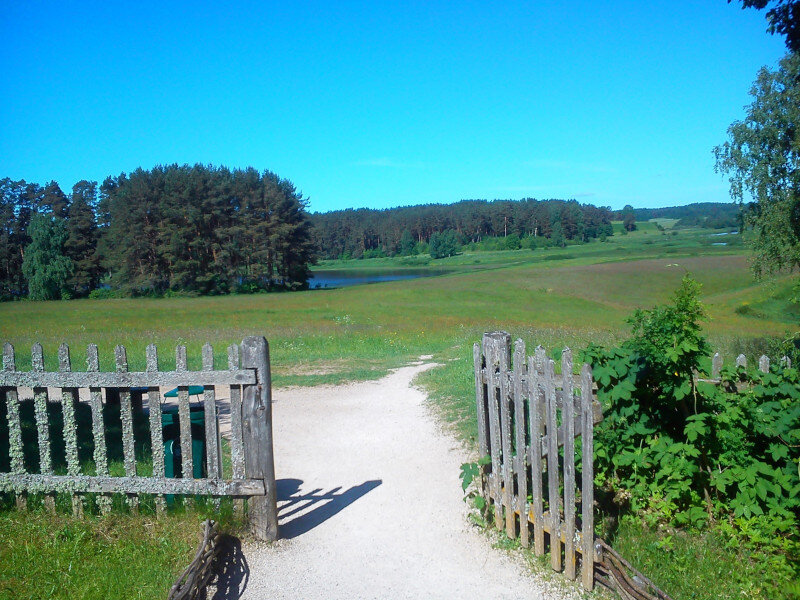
(253,473)
(98,426)
(519,410)
(69,398)
(14,425)
(237,452)
(520,447)
(257,428)
(40,400)
(568,418)
(741,362)
(156,433)
(528,420)
(126,417)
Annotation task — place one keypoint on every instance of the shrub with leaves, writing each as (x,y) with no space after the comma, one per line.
(471,479)
(722,455)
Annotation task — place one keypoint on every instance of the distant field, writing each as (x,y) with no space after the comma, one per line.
(664,222)
(556,297)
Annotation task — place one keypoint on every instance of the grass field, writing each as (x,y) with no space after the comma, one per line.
(560,297)
(554,297)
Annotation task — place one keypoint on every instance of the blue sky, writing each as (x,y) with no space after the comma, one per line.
(385,104)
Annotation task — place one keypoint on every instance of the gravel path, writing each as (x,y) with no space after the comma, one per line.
(370,504)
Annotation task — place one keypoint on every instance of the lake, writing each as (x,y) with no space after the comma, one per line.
(346,277)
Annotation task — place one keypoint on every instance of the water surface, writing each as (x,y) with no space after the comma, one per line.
(335,278)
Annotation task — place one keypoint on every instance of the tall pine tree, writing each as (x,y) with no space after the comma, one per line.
(81,243)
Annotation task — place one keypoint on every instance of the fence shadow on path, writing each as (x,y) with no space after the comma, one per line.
(302,511)
(232,570)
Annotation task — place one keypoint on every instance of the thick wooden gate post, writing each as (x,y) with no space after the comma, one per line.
(257,426)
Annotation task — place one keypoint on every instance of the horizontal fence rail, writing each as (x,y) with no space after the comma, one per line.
(528,423)
(115,401)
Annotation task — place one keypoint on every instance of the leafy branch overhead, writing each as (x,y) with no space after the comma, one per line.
(783,18)
(762,161)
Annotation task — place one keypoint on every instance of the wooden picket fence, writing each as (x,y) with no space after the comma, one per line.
(741,361)
(525,414)
(251,452)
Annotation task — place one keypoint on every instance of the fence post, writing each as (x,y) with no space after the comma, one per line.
(716,365)
(587,482)
(481,392)
(257,422)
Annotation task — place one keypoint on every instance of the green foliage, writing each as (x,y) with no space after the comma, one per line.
(628,218)
(443,244)
(692,565)
(557,238)
(45,265)
(722,456)
(496,225)
(98,557)
(670,341)
(471,474)
(81,243)
(203,230)
(512,242)
(761,160)
(406,243)
(783,18)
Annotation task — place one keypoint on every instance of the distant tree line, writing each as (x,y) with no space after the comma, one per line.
(171,229)
(437,228)
(711,215)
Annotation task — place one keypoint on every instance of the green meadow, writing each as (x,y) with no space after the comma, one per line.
(556,297)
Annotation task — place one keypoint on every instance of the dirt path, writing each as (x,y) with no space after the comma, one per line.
(370,503)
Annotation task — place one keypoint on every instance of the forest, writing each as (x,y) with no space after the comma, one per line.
(172,229)
(364,232)
(711,215)
(204,230)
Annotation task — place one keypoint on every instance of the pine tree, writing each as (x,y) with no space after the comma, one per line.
(54,201)
(81,243)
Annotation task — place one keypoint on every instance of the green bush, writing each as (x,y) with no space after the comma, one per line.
(105,294)
(722,456)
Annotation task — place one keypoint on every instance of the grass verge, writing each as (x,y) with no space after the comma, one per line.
(57,556)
